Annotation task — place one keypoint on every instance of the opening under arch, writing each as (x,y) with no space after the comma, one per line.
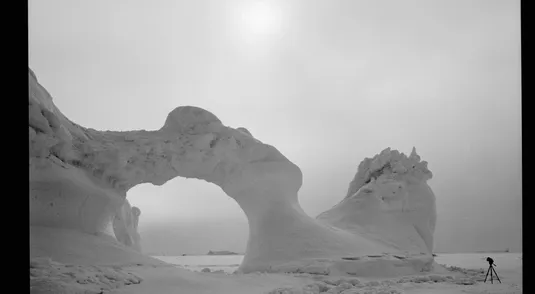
(188,216)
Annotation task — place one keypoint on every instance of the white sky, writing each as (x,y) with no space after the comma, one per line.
(326,82)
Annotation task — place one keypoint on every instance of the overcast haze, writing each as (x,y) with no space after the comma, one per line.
(328,83)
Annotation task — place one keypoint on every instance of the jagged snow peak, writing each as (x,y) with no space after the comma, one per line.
(390,164)
(389,196)
(79,180)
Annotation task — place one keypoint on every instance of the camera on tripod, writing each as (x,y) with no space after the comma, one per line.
(492,271)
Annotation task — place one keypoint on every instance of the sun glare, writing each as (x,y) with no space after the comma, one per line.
(261,18)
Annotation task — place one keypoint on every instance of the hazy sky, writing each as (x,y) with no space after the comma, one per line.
(326,82)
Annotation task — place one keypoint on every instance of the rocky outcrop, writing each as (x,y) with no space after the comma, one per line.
(80,177)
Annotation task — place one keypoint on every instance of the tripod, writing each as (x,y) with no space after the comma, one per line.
(490,270)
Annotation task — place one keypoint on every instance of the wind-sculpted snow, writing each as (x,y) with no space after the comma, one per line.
(393,165)
(80,178)
(389,199)
(125,224)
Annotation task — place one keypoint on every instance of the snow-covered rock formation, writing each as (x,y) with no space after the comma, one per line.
(390,201)
(125,224)
(80,178)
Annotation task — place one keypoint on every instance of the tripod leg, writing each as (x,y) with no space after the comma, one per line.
(497,275)
(486,275)
(491,277)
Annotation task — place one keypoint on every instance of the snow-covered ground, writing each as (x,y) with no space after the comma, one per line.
(229,263)
(503,261)
(66,261)
(226,263)
(508,267)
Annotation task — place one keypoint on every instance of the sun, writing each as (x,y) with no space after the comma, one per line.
(261,18)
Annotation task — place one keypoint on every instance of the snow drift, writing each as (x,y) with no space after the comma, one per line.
(80,177)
